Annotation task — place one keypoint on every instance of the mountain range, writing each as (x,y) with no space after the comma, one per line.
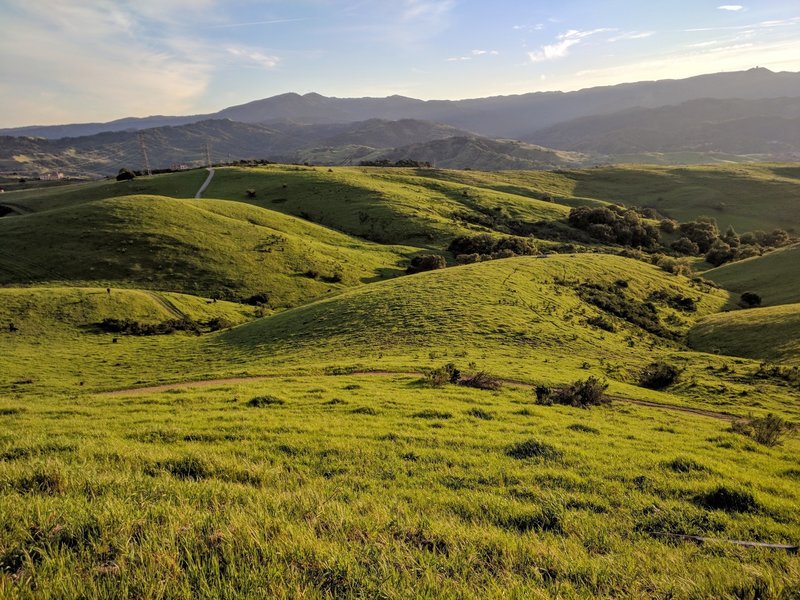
(737,116)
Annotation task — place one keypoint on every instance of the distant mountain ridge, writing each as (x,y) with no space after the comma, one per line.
(501,116)
(736,126)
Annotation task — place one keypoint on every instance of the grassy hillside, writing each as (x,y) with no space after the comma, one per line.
(384,205)
(773,276)
(201,246)
(769,333)
(525,318)
(749,197)
(175,185)
(42,312)
(356,486)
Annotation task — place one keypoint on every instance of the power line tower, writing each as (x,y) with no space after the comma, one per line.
(144,154)
(208,154)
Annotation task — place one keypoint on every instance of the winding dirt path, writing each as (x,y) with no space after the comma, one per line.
(509,382)
(206,183)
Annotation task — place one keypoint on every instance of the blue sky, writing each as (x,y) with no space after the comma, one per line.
(96,60)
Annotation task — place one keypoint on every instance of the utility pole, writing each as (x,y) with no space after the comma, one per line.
(144,154)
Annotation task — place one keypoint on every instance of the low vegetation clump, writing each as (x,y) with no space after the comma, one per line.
(263,401)
(533,448)
(432,414)
(582,393)
(482,381)
(614,301)
(442,375)
(682,464)
(426,262)
(485,246)
(769,430)
(479,413)
(185,324)
(615,225)
(544,395)
(728,499)
(749,300)
(658,375)
(186,467)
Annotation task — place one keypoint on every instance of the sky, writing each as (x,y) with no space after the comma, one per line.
(68,61)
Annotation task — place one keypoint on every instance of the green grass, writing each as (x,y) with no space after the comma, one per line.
(769,333)
(198,246)
(334,470)
(398,206)
(193,493)
(773,276)
(749,197)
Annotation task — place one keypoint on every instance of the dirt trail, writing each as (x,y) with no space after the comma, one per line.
(509,382)
(206,183)
(165,304)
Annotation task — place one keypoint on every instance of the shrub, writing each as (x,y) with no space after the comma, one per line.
(728,499)
(486,245)
(258,299)
(685,246)
(544,395)
(583,393)
(601,322)
(125,175)
(262,401)
(658,375)
(749,300)
(364,410)
(442,375)
(533,448)
(426,262)
(769,430)
(480,414)
(482,381)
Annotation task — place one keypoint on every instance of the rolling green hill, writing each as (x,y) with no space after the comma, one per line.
(200,246)
(518,315)
(397,206)
(773,276)
(770,333)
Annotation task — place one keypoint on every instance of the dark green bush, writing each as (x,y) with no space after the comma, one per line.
(432,414)
(768,430)
(749,300)
(482,381)
(582,393)
(426,262)
(658,375)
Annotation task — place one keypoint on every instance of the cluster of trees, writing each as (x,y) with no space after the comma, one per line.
(703,238)
(616,225)
(404,162)
(484,246)
(133,327)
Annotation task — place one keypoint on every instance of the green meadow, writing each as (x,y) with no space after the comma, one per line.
(237,396)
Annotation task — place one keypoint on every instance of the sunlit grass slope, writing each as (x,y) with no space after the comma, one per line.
(774,276)
(770,333)
(200,246)
(384,205)
(520,317)
(378,487)
(40,312)
(749,197)
(175,185)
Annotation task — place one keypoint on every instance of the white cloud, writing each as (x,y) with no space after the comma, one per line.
(254,56)
(560,49)
(731,7)
(473,54)
(632,35)
(96,61)
(426,10)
